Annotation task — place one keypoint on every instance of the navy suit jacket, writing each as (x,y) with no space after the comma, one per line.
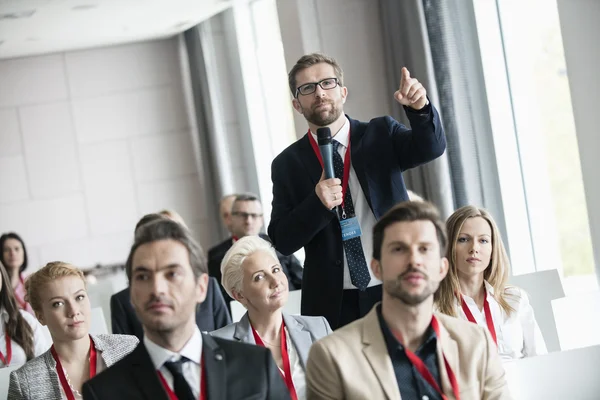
(210,315)
(380,151)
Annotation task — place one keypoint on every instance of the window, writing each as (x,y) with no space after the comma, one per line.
(535,139)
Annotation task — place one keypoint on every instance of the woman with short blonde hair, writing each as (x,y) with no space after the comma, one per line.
(58,296)
(252,275)
(476,287)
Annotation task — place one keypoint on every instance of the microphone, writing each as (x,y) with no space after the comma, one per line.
(326,149)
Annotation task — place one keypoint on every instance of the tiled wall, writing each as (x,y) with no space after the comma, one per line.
(90,141)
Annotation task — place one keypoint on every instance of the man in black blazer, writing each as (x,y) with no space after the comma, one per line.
(247,219)
(168,278)
(312,212)
(212,314)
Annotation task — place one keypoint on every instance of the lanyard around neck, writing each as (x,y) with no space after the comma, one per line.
(486,310)
(61,373)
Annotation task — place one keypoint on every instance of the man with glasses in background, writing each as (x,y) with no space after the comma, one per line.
(368,159)
(247,220)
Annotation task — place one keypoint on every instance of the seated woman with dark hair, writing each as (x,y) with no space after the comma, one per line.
(476,288)
(57,293)
(13,256)
(21,336)
(251,274)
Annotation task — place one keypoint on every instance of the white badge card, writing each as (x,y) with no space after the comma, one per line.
(350,228)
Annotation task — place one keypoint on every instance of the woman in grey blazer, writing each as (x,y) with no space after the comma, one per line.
(57,294)
(251,274)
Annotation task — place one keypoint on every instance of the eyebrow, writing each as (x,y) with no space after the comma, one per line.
(466,234)
(60,297)
(399,242)
(142,268)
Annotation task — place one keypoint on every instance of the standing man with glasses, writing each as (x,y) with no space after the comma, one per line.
(369,158)
(247,220)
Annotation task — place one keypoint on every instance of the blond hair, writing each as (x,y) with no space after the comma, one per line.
(496,274)
(232,275)
(34,284)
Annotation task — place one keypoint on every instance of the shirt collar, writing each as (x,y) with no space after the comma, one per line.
(159,355)
(342,136)
(488,288)
(393,344)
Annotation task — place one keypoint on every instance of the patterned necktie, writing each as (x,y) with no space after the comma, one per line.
(182,389)
(359,272)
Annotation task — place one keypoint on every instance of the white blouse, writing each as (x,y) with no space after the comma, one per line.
(518,335)
(40,344)
(298,375)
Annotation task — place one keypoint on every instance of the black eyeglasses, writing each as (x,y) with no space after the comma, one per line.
(309,88)
(244,215)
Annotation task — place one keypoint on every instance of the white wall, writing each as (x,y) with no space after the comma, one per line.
(89,142)
(580,30)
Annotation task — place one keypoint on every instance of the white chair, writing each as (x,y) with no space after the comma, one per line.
(99,294)
(237,310)
(98,322)
(560,375)
(543,287)
(4,381)
(578,320)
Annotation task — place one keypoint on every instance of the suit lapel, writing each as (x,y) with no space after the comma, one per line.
(376,353)
(447,347)
(301,339)
(214,368)
(310,160)
(357,159)
(51,363)
(243,329)
(146,378)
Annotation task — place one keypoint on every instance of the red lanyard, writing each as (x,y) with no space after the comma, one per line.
(424,371)
(287,370)
(487,312)
(173,396)
(6,361)
(61,372)
(315,147)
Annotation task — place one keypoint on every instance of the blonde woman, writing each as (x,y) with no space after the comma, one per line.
(252,275)
(476,286)
(57,294)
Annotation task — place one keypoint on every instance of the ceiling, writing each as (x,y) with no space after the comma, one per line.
(32,27)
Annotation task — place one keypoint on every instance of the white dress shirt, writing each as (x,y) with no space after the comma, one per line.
(191,370)
(366,218)
(40,344)
(518,335)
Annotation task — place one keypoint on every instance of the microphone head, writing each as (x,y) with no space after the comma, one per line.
(323,136)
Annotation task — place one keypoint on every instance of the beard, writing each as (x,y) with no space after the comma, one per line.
(395,289)
(323,117)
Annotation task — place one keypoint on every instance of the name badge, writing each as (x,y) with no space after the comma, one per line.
(350,228)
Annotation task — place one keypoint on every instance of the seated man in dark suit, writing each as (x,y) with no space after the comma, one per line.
(168,278)
(212,314)
(246,220)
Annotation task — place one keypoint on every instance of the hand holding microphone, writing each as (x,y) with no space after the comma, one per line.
(329,188)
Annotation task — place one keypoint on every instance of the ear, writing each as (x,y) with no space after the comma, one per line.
(376,268)
(444,265)
(297,106)
(40,318)
(239,296)
(344,94)
(201,288)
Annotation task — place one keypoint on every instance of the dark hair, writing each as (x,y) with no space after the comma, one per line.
(409,211)
(309,60)
(165,229)
(16,327)
(12,235)
(244,197)
(147,219)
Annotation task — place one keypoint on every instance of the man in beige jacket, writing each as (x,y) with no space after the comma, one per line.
(401,349)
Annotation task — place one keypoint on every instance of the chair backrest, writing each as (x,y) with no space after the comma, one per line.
(98,322)
(291,307)
(542,287)
(578,320)
(560,375)
(4,381)
(99,294)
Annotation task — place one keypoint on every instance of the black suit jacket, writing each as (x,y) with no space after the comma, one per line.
(233,370)
(380,151)
(210,315)
(290,265)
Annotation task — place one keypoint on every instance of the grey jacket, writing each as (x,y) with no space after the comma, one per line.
(304,331)
(38,380)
